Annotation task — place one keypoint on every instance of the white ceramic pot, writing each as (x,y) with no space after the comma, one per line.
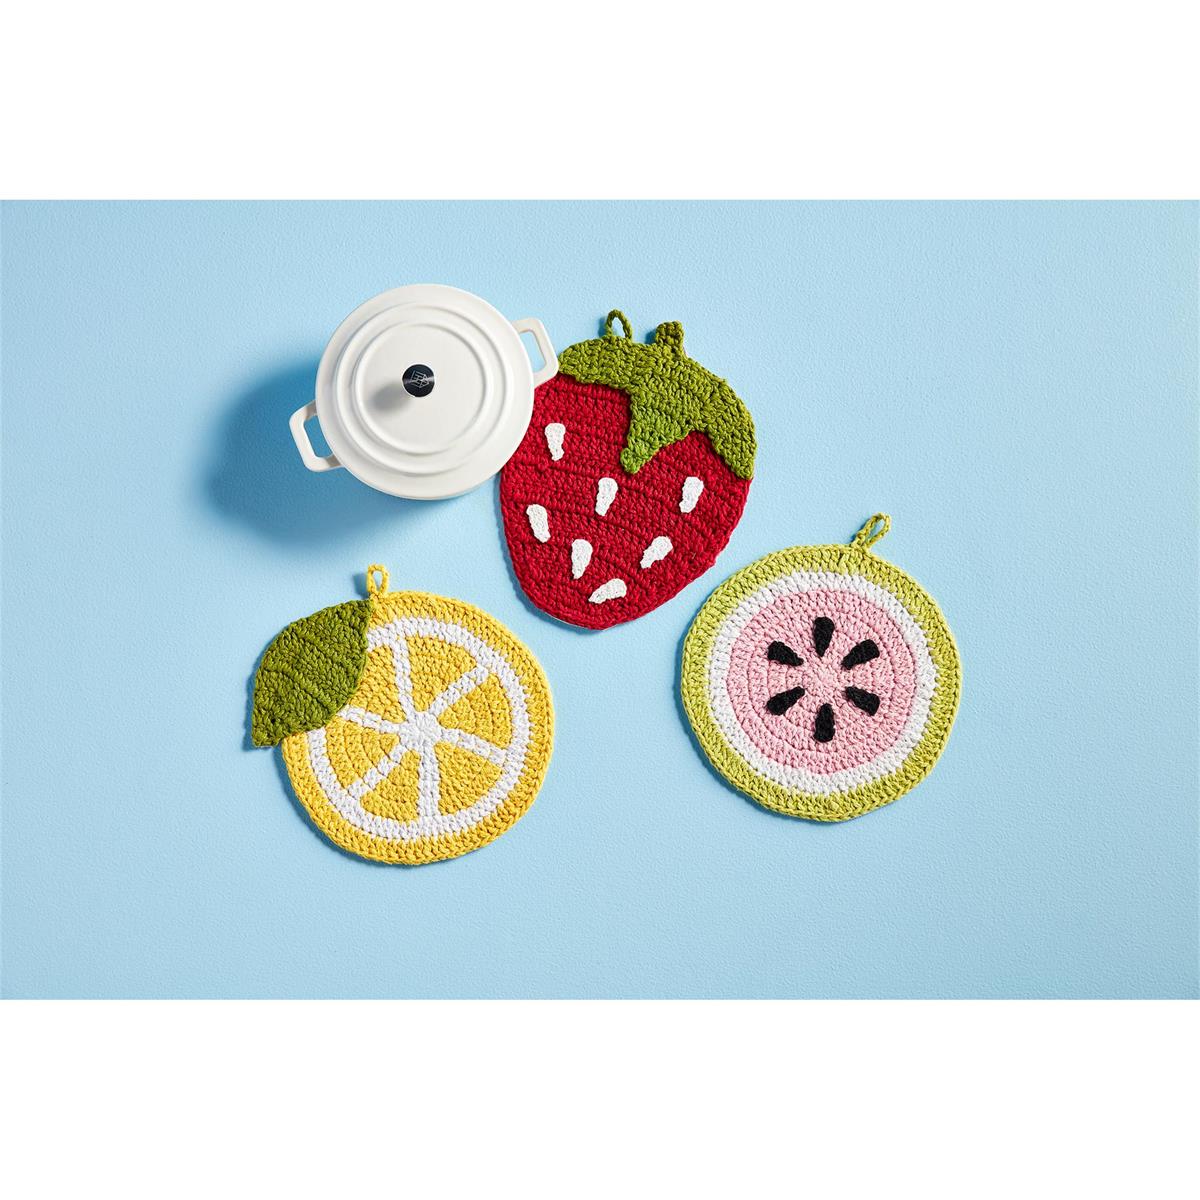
(424,392)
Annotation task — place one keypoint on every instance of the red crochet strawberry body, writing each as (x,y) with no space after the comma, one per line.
(593,542)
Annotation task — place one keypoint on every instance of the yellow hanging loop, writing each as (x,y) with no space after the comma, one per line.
(380,588)
(872,531)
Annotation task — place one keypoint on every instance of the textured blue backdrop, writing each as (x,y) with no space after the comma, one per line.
(1015,384)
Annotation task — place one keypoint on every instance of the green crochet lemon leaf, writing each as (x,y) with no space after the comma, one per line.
(670,395)
(309,671)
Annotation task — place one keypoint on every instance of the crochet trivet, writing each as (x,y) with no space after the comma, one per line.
(629,481)
(414,727)
(822,681)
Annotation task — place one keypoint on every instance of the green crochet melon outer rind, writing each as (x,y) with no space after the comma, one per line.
(670,395)
(309,671)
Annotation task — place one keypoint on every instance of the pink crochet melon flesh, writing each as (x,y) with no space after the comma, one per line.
(822,680)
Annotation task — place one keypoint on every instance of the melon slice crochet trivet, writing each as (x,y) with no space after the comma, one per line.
(413,727)
(822,681)
(629,481)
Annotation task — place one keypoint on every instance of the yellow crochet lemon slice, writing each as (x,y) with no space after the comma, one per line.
(443,744)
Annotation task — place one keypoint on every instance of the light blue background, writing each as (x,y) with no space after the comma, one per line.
(1015,384)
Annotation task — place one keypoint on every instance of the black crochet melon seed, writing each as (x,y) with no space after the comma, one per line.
(824,727)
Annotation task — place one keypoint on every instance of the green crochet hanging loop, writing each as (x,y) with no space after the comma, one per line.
(875,528)
(618,315)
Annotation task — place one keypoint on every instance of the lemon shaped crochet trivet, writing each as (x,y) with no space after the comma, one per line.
(414,727)
(822,681)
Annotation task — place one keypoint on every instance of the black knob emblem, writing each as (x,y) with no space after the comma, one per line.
(418,380)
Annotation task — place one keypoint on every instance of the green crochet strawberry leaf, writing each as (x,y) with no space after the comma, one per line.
(309,671)
(670,395)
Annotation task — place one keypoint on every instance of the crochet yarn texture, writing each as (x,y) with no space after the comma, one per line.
(437,747)
(822,681)
(630,479)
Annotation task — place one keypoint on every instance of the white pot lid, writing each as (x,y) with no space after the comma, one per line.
(424,391)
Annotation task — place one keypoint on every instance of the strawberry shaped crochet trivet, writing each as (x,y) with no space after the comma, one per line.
(630,479)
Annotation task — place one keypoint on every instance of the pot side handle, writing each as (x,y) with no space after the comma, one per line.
(549,366)
(311,459)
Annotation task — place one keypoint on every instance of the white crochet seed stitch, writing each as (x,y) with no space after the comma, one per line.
(606,493)
(614,589)
(539,522)
(692,487)
(554,439)
(656,551)
(581,555)
(797,778)
(422,731)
